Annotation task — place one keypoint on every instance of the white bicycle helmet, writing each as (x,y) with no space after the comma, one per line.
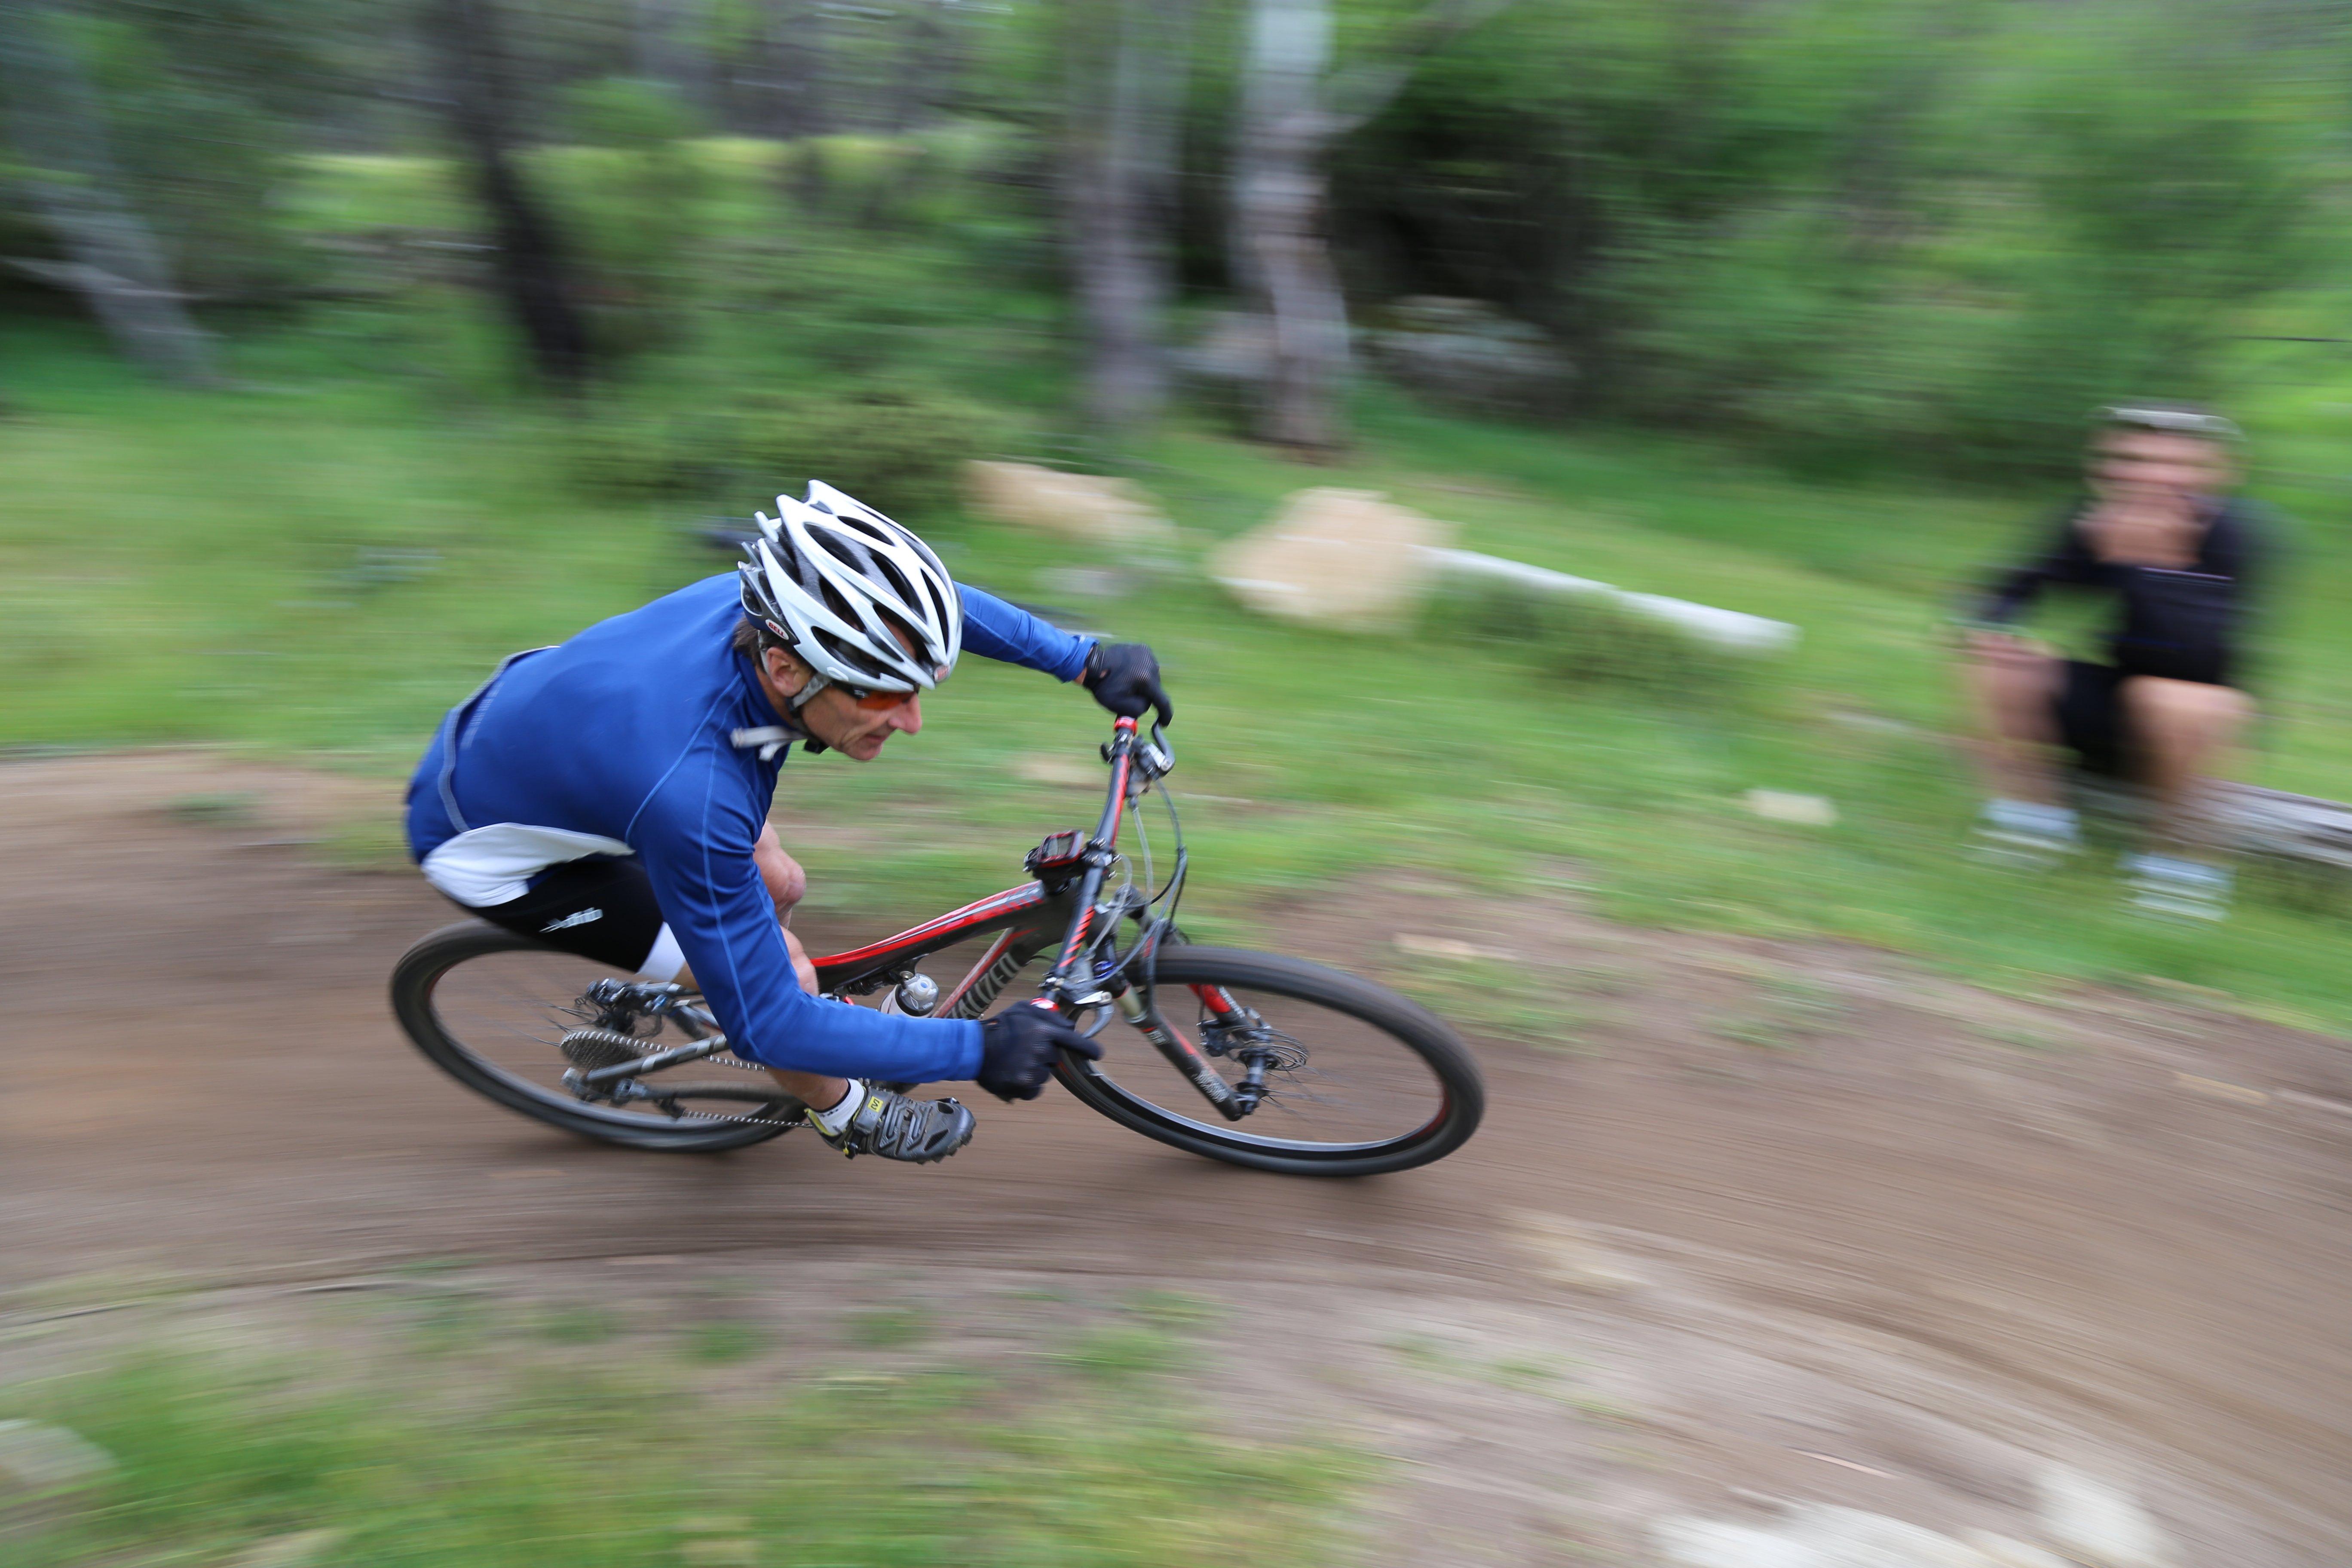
(830,575)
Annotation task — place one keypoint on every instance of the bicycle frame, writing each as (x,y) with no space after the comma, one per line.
(1069,902)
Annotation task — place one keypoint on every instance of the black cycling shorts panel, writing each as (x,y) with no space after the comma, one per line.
(2089,710)
(601,908)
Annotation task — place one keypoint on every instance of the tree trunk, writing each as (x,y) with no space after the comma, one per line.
(926,61)
(667,46)
(533,265)
(1119,200)
(59,131)
(797,110)
(1291,113)
(793,45)
(1281,259)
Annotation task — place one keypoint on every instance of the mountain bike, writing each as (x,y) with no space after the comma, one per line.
(1250,1057)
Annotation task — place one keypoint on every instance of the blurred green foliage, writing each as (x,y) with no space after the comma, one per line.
(1862,233)
(1857,233)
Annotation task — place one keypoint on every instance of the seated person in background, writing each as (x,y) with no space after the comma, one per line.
(2176,558)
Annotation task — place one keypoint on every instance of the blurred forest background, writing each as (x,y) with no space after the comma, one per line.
(1854,232)
(347,345)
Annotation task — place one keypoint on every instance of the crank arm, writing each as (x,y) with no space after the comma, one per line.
(631,1093)
(694,1052)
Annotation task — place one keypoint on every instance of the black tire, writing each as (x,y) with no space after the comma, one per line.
(416,980)
(1399,1039)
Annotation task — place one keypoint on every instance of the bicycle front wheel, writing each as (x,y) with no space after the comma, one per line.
(1359,1080)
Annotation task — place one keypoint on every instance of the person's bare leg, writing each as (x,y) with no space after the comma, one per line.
(2182,732)
(2012,690)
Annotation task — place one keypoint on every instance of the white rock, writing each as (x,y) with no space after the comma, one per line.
(1090,507)
(1813,1535)
(1448,947)
(1346,558)
(38,1457)
(2098,1521)
(1468,352)
(1567,1253)
(2009,1553)
(1693,1542)
(1851,1538)
(296,1551)
(1780,806)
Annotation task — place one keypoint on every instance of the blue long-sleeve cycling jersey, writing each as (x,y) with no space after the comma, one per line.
(625,740)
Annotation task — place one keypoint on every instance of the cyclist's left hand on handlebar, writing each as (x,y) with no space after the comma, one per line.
(1017,1048)
(1125,679)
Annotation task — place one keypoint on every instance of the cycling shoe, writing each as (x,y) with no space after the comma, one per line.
(919,1131)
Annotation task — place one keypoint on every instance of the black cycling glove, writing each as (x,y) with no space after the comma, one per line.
(1018,1047)
(1125,679)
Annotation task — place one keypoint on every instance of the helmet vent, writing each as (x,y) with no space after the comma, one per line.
(846,583)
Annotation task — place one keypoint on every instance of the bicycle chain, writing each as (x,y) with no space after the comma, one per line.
(738,1064)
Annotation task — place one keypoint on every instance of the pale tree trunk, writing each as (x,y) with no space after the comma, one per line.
(1293,107)
(65,165)
(533,267)
(1277,217)
(1119,200)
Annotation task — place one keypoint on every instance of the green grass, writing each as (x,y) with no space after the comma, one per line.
(529,1458)
(721,1341)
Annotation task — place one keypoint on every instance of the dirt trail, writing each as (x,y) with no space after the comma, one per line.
(1891,1250)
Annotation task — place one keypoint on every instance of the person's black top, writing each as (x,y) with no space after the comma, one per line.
(2184,624)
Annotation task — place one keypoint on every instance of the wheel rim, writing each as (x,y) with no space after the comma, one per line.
(1357,1089)
(505,1012)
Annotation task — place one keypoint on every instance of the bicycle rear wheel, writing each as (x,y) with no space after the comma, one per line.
(1361,1080)
(488,1006)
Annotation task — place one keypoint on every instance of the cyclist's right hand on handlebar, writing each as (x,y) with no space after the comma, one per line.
(1017,1048)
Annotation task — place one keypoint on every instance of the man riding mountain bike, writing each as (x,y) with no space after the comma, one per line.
(610,796)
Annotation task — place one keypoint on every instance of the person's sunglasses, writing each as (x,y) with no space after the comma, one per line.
(874,701)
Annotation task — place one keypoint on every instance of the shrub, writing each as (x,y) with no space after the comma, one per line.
(1583,641)
(897,446)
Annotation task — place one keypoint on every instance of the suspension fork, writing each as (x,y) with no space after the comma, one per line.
(1182,1054)
(1220,1002)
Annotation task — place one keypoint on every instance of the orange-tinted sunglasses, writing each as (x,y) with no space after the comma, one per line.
(876,701)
